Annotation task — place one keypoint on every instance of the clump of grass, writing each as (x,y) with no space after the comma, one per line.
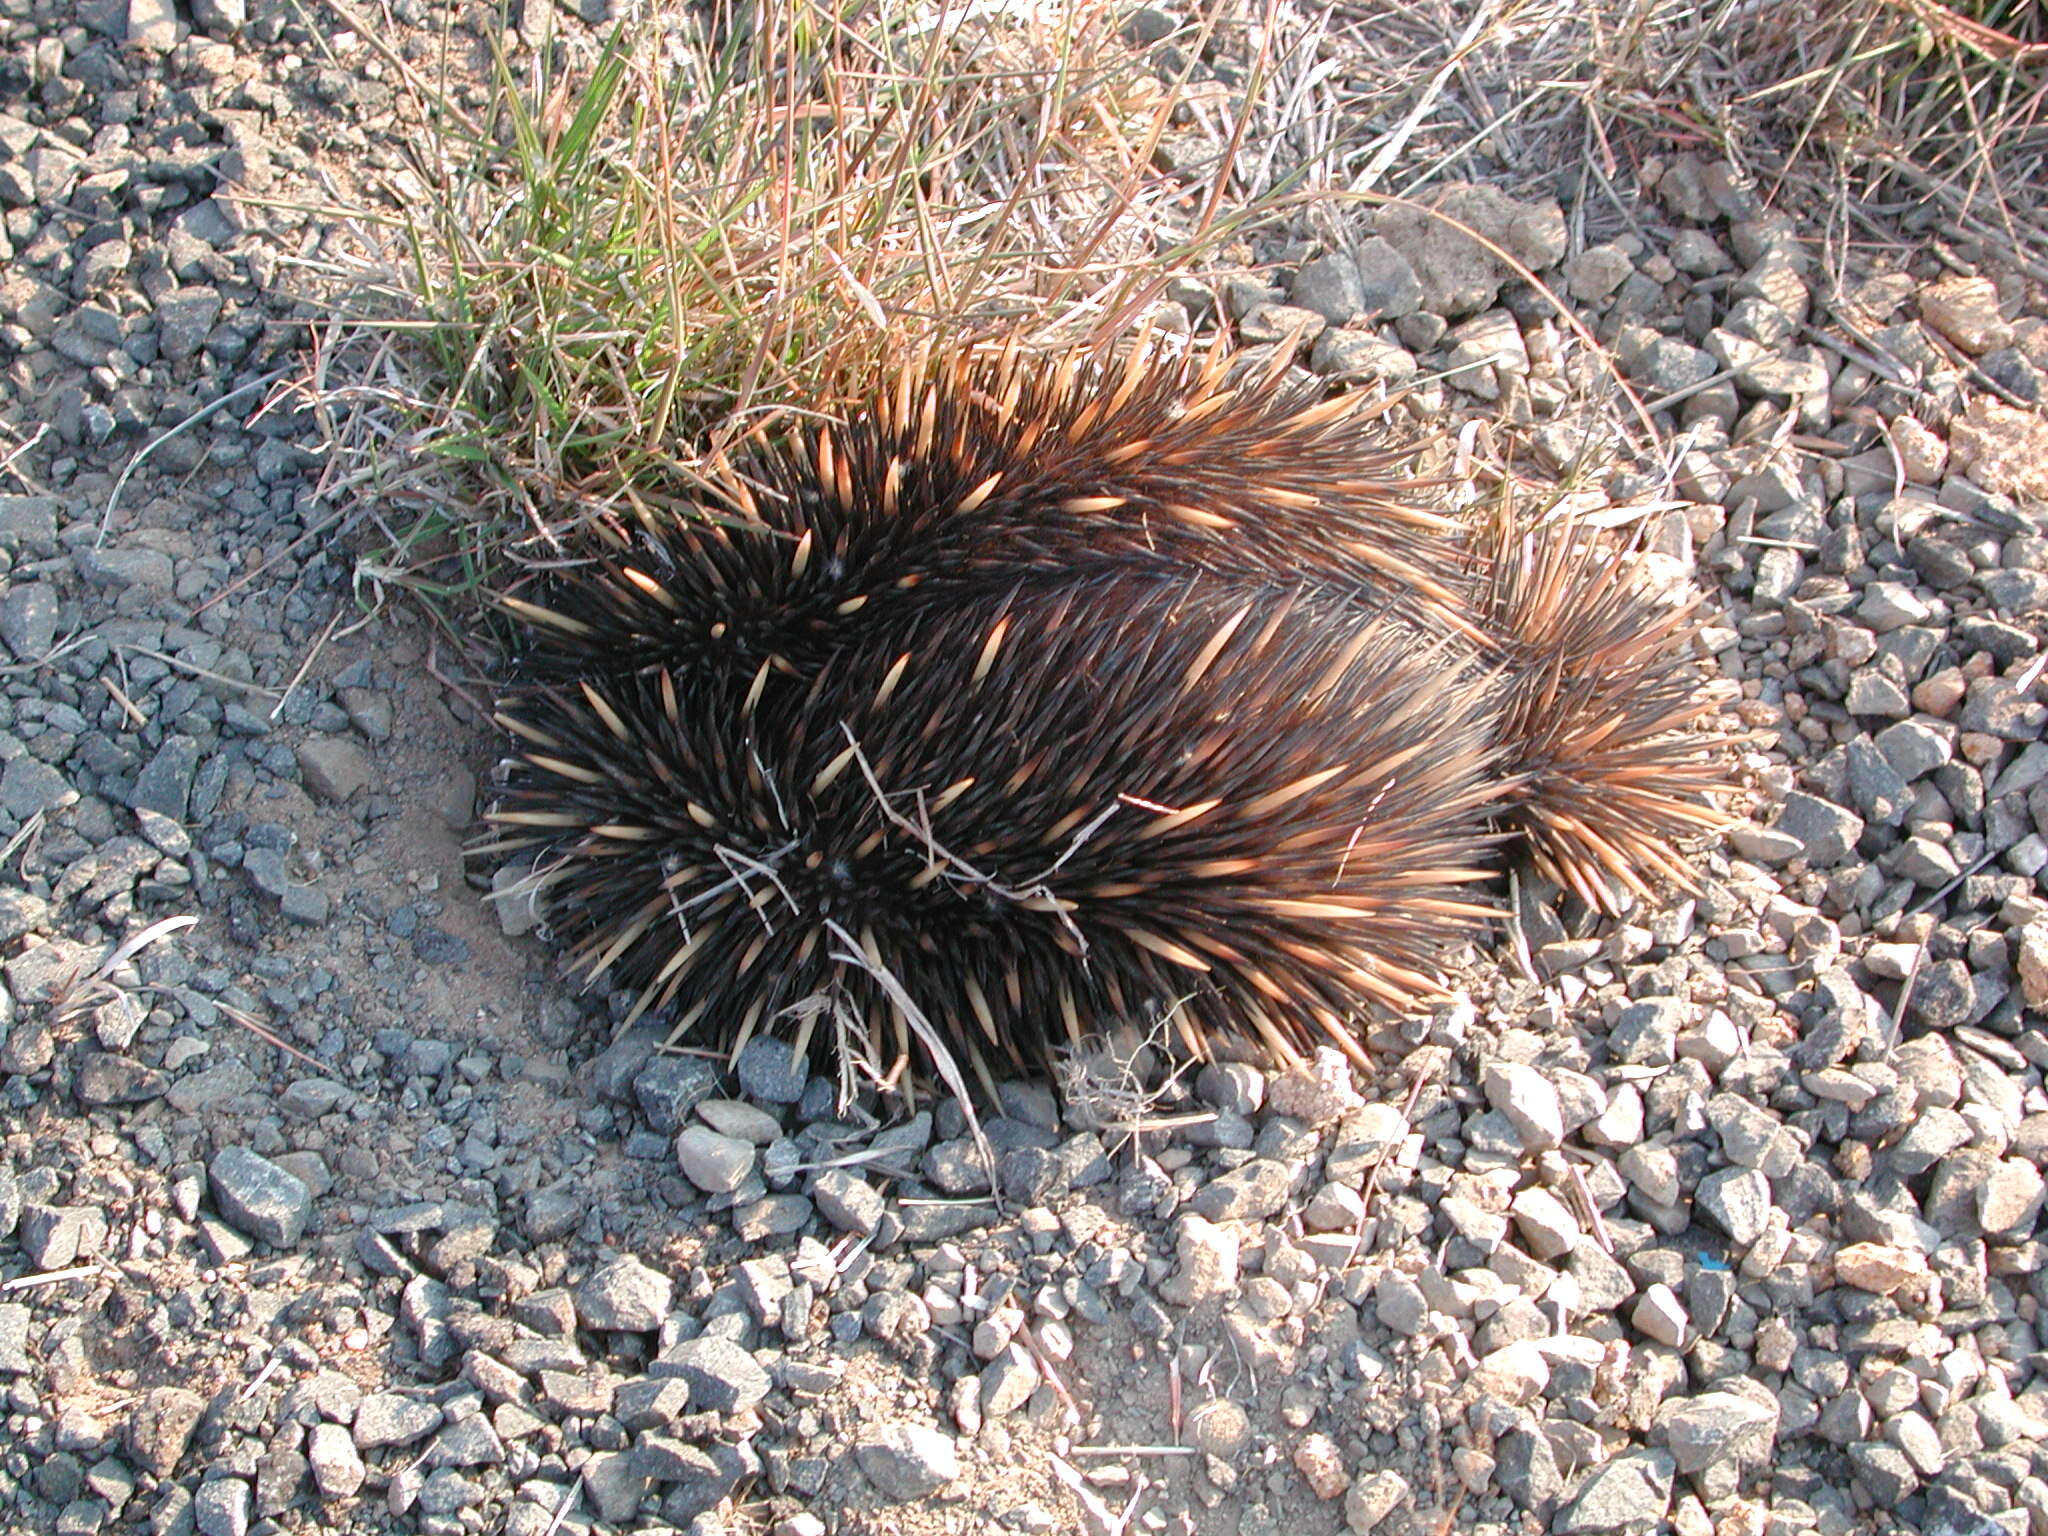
(617,262)
(1876,102)
(625,265)
(1883,101)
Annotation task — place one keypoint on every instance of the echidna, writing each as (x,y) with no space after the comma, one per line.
(1044,693)
(970,474)
(1023,821)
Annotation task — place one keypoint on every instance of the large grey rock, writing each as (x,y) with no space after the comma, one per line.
(334,768)
(1826,831)
(1880,791)
(116,568)
(1007,1382)
(1631,1493)
(1399,1304)
(467,1442)
(1360,357)
(221,1507)
(716,1164)
(31,519)
(1458,275)
(221,19)
(165,785)
(767,1074)
(1369,1500)
(1387,286)
(28,786)
(615,1482)
(106,1078)
(1646,1033)
(848,1201)
(1738,1201)
(1526,1466)
(1594,274)
(1945,995)
(1328,286)
(1249,1193)
(160,1427)
(184,316)
(152,25)
(908,1461)
(1530,1102)
(1718,1427)
(722,1377)
(652,1402)
(667,1088)
(392,1418)
(2010,1198)
(258,1197)
(28,620)
(15,1359)
(338,1470)
(624,1296)
(54,1236)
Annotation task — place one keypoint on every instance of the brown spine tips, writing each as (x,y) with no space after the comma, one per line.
(889,681)
(536,818)
(535,614)
(1166,949)
(527,732)
(1300,501)
(825,776)
(989,648)
(1135,368)
(1174,820)
(826,458)
(1202,410)
(754,689)
(1199,517)
(619,832)
(650,586)
(950,793)
(1266,804)
(562,768)
(604,712)
(978,495)
(1206,658)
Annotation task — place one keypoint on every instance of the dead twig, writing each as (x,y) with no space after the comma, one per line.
(266,1035)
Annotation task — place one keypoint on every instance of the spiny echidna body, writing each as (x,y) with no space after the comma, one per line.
(1042,694)
(971,475)
(1105,795)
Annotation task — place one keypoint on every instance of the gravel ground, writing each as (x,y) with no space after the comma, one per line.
(327,1211)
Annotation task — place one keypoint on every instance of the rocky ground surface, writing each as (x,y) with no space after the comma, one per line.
(326,1211)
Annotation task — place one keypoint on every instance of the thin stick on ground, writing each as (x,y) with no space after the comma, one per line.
(851,954)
